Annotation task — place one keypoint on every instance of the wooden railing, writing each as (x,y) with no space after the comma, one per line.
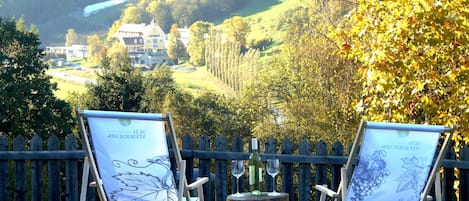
(31,172)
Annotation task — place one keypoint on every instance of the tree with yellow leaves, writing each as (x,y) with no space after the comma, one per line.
(413,60)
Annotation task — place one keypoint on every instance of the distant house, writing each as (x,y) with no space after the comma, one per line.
(146,44)
(141,37)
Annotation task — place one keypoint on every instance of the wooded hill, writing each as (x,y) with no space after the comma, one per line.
(53,18)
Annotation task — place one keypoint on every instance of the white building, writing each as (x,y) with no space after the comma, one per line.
(141,37)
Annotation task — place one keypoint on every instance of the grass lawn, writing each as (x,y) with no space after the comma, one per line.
(200,81)
(65,88)
(195,82)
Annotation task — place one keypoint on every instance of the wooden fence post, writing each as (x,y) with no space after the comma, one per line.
(19,171)
(53,168)
(237,146)
(448,178)
(71,171)
(221,187)
(337,150)
(188,144)
(4,172)
(464,176)
(204,166)
(270,148)
(37,183)
(287,170)
(321,169)
(304,177)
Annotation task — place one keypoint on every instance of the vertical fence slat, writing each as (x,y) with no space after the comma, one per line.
(337,150)
(20,170)
(4,172)
(188,144)
(448,178)
(287,170)
(237,146)
(204,166)
(53,170)
(71,171)
(464,176)
(304,176)
(270,148)
(37,183)
(321,169)
(221,187)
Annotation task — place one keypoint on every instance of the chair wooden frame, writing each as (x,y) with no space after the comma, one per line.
(433,178)
(90,161)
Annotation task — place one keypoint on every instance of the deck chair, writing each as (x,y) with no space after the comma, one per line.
(128,156)
(395,162)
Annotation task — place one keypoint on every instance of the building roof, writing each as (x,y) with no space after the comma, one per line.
(132,40)
(139,29)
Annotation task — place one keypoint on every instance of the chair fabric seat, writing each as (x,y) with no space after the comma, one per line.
(128,154)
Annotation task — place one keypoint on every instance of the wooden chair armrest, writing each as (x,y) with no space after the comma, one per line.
(199,182)
(327,191)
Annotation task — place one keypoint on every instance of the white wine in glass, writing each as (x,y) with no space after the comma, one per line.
(272,170)
(237,170)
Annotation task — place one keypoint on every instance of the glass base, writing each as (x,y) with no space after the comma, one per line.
(237,195)
(275,193)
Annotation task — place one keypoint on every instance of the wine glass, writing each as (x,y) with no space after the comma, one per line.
(272,170)
(237,170)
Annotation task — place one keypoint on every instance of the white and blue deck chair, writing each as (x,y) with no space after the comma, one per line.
(396,162)
(128,156)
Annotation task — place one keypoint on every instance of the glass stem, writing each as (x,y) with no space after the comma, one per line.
(237,185)
(273,184)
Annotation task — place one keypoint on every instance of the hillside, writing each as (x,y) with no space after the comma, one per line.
(53,17)
(261,14)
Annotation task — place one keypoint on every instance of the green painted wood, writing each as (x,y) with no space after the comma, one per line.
(19,171)
(337,150)
(287,170)
(188,144)
(205,166)
(448,179)
(53,171)
(464,176)
(71,171)
(18,157)
(221,170)
(321,169)
(237,147)
(37,182)
(4,171)
(304,173)
(270,148)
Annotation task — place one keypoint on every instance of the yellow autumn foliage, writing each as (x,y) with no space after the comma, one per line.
(414,55)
